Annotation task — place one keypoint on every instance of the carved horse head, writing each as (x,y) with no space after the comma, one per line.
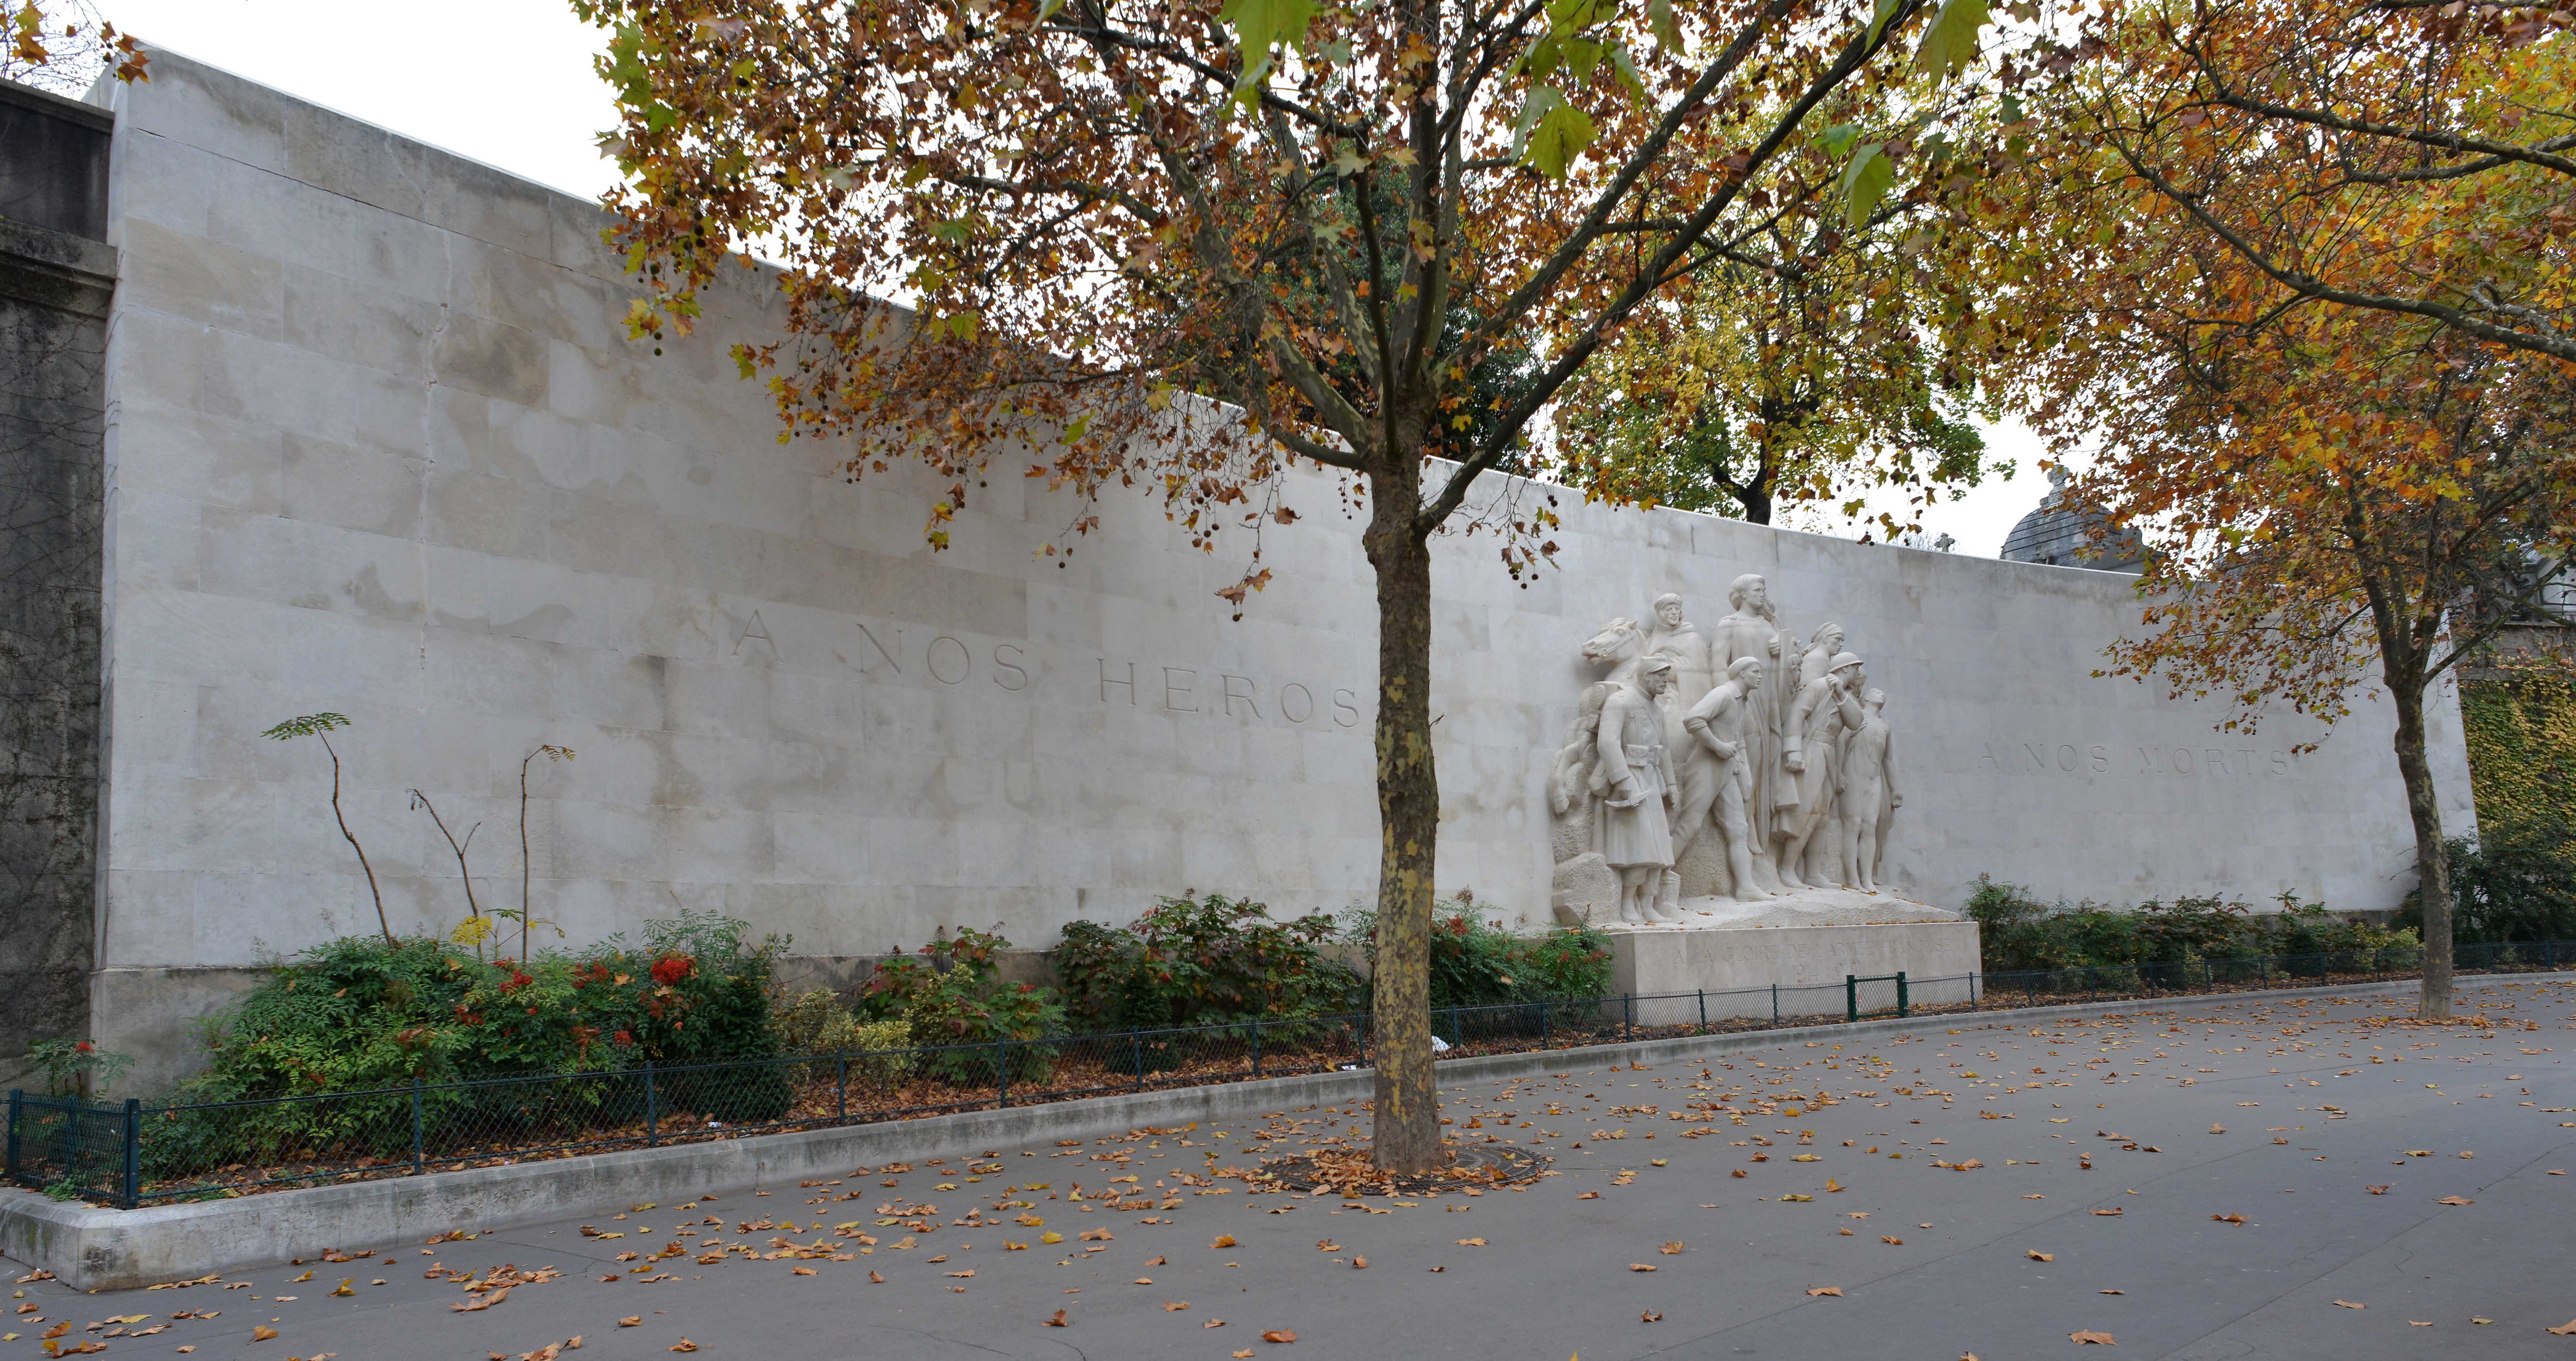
(1618,646)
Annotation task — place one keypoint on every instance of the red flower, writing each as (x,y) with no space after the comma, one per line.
(625,1040)
(672,969)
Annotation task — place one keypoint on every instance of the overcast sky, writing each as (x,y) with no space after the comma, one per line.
(509,83)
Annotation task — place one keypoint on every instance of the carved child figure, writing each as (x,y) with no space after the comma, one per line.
(1719,745)
(1635,773)
(1869,796)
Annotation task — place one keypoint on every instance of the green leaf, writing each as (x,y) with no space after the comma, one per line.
(1047,11)
(1667,29)
(1561,135)
(1260,25)
(1541,100)
(1951,42)
(1838,139)
(1865,181)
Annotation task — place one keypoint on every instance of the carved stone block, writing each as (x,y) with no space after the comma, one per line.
(1585,891)
(1703,868)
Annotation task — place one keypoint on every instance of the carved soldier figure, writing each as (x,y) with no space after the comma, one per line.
(1810,745)
(1635,774)
(1753,631)
(1869,797)
(1720,748)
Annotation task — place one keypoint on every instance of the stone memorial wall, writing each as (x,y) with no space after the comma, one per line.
(379,446)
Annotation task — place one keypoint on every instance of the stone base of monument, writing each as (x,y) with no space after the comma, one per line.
(1803,944)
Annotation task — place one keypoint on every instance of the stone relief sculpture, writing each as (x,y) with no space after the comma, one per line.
(1635,775)
(1869,789)
(1733,764)
(1720,760)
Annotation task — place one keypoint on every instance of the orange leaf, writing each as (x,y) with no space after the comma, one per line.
(1176,1308)
(1650,1316)
(1223,1240)
(1279,1335)
(2089,1338)
(1833,1290)
(684,1345)
(1059,1321)
(2348,1304)
(262,1332)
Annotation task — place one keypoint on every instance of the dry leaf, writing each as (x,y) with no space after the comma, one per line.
(684,1345)
(1639,1266)
(262,1332)
(1213,1323)
(2106,1212)
(631,1321)
(1359,1263)
(2229,1218)
(2568,1331)
(1672,1249)
(1833,1290)
(1238,1356)
(2348,1304)
(1176,1308)
(2090,1338)
(961,1275)
(2455,1200)
(1595,1195)
(1471,1242)
(1059,1321)
(2377,1190)
(1223,1240)
(880,1280)
(2038,1256)
(1156,1262)
(1280,1335)
(808,1271)
(1651,1316)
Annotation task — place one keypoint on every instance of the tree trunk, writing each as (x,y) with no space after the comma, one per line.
(2432,857)
(1407,1118)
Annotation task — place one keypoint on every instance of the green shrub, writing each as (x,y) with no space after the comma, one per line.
(957,1010)
(816,1025)
(2017,932)
(1189,961)
(2509,890)
(1475,962)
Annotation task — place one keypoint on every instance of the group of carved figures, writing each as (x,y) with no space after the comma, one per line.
(1776,748)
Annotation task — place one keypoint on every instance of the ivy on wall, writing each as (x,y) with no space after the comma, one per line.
(2517,881)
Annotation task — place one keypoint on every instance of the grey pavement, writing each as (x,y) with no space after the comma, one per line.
(1967,1148)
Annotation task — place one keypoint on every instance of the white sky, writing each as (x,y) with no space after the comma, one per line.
(509,83)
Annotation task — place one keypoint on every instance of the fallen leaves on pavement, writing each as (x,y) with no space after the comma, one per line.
(1280,1335)
(1833,1290)
(2088,1338)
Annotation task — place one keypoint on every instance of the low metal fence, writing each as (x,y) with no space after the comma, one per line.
(152,1152)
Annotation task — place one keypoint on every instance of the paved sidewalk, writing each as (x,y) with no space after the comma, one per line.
(2283,1111)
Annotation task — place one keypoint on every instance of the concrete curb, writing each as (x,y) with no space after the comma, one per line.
(90,1248)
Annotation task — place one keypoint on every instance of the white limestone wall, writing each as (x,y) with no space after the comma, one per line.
(380,447)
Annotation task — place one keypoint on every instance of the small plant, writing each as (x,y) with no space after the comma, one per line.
(75,1067)
(476,928)
(69,1188)
(320,726)
(552,754)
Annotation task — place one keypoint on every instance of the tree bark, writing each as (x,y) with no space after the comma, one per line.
(2432,856)
(1406,1121)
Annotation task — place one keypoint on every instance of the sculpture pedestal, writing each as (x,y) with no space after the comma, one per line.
(1801,945)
